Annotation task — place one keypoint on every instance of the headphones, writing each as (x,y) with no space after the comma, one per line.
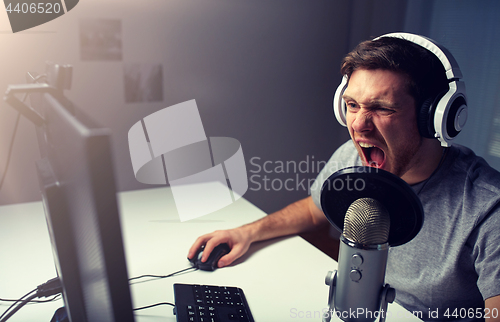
(442,116)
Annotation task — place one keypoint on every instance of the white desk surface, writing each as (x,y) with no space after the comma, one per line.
(283,279)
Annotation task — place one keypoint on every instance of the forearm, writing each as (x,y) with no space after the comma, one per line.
(492,305)
(297,217)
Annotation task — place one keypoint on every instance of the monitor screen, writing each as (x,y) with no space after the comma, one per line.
(79,195)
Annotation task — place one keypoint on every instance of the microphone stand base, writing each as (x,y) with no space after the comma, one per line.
(387,296)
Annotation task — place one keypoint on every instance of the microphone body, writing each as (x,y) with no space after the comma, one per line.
(360,280)
(357,291)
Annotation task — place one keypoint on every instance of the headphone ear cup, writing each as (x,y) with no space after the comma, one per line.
(339,107)
(425,118)
(457,116)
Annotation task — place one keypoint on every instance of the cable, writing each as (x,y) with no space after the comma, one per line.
(12,306)
(153,305)
(162,276)
(17,301)
(54,287)
(49,288)
(18,307)
(55,298)
(158,277)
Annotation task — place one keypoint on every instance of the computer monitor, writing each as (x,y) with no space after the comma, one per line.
(79,196)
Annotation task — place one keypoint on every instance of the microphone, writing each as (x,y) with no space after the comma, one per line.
(381,211)
(357,290)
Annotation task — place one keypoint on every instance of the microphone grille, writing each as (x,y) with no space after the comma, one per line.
(367,222)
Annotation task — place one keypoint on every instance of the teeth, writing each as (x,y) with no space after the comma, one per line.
(365,145)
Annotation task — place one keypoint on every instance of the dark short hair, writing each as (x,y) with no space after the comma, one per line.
(425,72)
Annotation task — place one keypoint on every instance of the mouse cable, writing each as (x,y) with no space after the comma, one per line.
(153,305)
(163,276)
(49,288)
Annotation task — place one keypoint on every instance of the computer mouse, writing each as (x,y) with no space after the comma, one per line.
(211,263)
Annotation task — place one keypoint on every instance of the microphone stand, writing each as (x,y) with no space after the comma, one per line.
(387,296)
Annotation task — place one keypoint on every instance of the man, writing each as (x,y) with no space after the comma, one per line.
(451,269)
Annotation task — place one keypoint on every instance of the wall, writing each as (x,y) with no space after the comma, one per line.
(263,72)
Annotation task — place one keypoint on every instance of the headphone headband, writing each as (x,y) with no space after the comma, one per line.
(449,63)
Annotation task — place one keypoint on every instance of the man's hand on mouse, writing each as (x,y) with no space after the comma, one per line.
(238,239)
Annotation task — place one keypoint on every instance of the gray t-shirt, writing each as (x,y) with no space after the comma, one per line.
(453,264)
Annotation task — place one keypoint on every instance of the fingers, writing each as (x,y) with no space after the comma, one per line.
(200,241)
(216,238)
(209,246)
(239,244)
(209,241)
(235,253)
(224,261)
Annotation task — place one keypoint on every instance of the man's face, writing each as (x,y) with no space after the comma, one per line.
(381,119)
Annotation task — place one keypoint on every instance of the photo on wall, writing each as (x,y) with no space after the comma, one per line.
(101,39)
(143,82)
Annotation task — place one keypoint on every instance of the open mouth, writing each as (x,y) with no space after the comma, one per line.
(374,156)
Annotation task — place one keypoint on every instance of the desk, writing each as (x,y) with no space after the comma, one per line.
(283,279)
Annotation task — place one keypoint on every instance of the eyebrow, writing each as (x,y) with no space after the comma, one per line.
(373,102)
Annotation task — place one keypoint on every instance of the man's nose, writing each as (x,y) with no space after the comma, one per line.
(362,122)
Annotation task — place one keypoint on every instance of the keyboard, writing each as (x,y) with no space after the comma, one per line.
(209,303)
